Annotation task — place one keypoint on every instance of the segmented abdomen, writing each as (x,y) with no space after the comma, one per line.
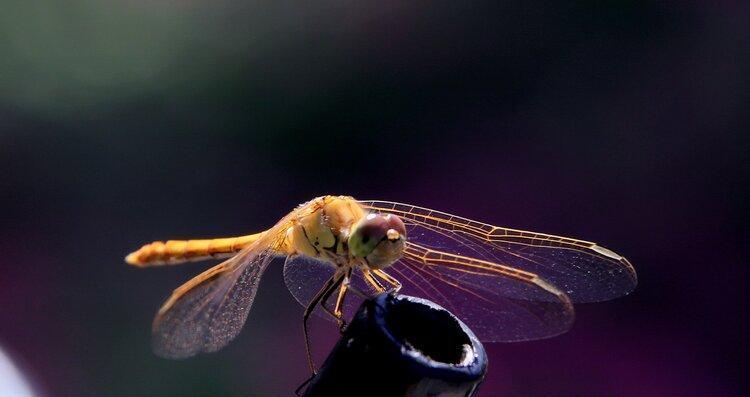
(178,251)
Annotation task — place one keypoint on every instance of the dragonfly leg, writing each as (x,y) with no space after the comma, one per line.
(374,283)
(388,278)
(328,287)
(337,312)
(338,309)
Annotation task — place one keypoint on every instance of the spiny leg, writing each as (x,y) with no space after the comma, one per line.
(374,283)
(337,312)
(329,285)
(338,309)
(388,278)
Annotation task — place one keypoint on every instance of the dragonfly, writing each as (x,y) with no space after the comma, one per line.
(505,284)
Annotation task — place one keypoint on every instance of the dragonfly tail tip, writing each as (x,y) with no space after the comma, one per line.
(132,259)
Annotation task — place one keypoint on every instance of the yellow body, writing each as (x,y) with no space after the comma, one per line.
(178,251)
(320,229)
(495,283)
(324,232)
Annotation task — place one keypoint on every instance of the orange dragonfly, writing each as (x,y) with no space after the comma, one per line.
(506,284)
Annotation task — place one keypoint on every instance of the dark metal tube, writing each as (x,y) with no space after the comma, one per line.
(399,345)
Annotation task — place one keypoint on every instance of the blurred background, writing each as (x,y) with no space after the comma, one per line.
(127,121)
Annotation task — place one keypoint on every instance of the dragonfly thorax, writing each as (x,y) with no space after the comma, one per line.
(324,231)
(339,230)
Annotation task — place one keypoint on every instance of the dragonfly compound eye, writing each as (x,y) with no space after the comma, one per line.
(379,238)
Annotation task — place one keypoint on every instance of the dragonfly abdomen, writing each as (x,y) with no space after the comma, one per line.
(178,251)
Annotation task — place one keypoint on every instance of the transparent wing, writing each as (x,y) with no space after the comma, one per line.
(585,271)
(207,312)
(477,292)
(304,276)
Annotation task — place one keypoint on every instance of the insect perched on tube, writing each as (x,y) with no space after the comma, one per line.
(506,284)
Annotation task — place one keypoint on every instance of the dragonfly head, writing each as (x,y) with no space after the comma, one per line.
(378,238)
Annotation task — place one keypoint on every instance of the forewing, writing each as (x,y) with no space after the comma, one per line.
(585,271)
(476,291)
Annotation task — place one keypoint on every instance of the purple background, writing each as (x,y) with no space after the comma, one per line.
(122,122)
